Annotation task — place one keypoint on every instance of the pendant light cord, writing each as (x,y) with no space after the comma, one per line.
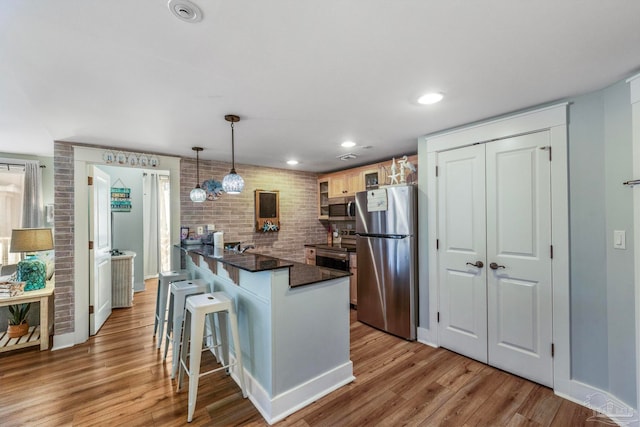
(233,155)
(197,169)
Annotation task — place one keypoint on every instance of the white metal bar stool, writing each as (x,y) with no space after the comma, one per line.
(197,309)
(179,291)
(164,280)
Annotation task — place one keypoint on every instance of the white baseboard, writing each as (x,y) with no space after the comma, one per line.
(63,341)
(601,401)
(426,336)
(274,409)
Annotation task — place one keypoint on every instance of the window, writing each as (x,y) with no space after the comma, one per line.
(11,193)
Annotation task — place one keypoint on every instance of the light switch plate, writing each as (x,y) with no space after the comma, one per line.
(200,230)
(619,239)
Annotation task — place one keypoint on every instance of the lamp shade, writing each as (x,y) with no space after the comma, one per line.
(31,240)
(31,270)
(198,195)
(233,183)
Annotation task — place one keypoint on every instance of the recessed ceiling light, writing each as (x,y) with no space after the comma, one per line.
(430,98)
(185,10)
(348,144)
(292,162)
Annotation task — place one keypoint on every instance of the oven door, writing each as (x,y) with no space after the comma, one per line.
(332,259)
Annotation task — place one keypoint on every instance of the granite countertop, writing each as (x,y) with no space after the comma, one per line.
(248,261)
(305,274)
(334,247)
(299,274)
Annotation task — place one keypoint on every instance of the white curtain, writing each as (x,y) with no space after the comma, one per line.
(32,208)
(164,225)
(150,221)
(11,202)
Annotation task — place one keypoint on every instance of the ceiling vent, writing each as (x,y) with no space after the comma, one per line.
(185,11)
(347,156)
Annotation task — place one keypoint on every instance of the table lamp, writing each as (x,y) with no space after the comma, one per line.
(31,270)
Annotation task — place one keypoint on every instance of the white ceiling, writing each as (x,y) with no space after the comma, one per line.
(302,75)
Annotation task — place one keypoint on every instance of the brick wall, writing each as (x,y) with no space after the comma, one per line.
(234,214)
(63,237)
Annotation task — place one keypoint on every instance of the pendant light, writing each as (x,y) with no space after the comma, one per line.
(232,183)
(198,195)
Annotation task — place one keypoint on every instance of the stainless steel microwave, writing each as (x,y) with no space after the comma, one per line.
(342,208)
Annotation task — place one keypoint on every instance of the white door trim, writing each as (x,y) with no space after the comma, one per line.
(634,89)
(82,157)
(554,120)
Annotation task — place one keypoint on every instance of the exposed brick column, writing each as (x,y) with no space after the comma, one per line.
(63,236)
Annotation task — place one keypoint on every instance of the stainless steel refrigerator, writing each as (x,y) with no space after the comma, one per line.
(386,230)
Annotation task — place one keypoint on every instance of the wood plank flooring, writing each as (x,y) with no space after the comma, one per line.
(118,378)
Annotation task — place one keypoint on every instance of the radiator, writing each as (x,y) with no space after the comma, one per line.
(122,280)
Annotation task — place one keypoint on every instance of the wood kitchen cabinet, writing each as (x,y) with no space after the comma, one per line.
(323,199)
(371,178)
(349,181)
(310,256)
(337,186)
(353,280)
(384,170)
(346,183)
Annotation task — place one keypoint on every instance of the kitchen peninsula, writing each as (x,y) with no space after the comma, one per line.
(293,322)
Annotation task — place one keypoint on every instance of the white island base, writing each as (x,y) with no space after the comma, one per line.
(295,340)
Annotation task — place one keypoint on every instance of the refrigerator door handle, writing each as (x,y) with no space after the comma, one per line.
(383,236)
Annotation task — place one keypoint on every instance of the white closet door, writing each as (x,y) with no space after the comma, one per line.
(462,241)
(100,255)
(519,242)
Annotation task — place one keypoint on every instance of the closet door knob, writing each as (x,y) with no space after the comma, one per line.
(478,264)
(495,266)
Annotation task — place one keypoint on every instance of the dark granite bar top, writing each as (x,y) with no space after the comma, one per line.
(247,261)
(299,274)
(305,274)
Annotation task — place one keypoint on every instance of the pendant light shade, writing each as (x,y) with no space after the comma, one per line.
(232,183)
(198,195)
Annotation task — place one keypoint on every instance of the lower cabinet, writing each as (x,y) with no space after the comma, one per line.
(310,256)
(353,282)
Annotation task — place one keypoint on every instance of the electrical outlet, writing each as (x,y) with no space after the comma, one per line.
(200,230)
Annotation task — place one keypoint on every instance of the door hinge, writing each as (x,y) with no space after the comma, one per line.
(436,171)
(437,244)
(438,316)
(547,148)
(90,180)
(90,309)
(90,245)
(553,350)
(551,251)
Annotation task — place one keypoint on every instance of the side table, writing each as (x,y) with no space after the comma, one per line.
(38,334)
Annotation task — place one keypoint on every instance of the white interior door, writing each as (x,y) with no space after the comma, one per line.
(494,207)
(462,242)
(99,256)
(519,243)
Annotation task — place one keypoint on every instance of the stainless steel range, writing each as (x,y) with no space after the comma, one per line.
(336,255)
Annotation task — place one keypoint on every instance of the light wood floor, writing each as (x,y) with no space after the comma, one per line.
(118,378)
